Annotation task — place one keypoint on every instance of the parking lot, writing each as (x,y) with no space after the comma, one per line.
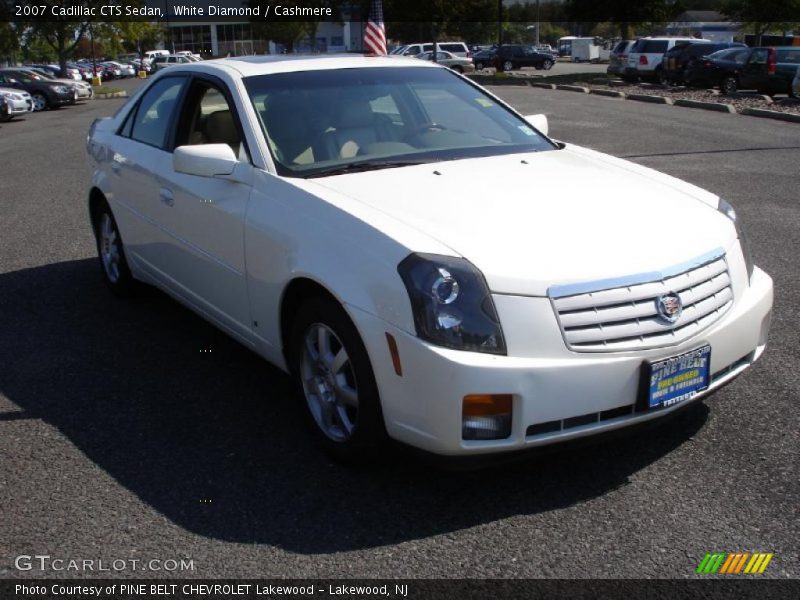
(123,439)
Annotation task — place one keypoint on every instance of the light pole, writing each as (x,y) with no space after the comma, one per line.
(538,23)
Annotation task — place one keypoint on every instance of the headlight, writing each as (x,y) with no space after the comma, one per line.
(451,303)
(61,89)
(726,209)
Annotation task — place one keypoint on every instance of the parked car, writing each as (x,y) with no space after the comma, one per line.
(647,54)
(515,56)
(44,92)
(618,59)
(351,245)
(769,70)
(111,70)
(456,48)
(18,102)
(457,63)
(162,62)
(484,58)
(85,91)
(677,60)
(796,84)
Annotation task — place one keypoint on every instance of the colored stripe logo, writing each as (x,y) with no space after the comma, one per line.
(734,563)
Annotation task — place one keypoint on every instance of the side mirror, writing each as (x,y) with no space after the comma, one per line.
(204,160)
(539,122)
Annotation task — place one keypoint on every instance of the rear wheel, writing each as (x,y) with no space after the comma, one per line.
(111,252)
(547,65)
(333,374)
(729,85)
(479,66)
(508,66)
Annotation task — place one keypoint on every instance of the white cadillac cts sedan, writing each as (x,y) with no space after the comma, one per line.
(425,262)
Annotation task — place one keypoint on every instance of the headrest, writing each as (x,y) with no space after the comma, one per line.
(220,128)
(354,113)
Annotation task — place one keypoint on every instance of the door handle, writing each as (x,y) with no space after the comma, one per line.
(166,196)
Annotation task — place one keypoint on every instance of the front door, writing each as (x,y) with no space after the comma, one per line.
(204,216)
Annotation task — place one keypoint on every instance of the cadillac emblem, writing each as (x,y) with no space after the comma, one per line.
(670,307)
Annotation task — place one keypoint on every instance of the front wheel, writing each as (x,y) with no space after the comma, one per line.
(508,66)
(479,66)
(334,375)
(39,102)
(729,85)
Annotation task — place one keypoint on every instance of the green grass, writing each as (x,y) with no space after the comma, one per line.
(104,90)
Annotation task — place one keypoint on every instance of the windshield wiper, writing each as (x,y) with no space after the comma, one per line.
(367,165)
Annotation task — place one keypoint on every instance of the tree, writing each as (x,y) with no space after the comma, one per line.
(624,13)
(9,41)
(764,15)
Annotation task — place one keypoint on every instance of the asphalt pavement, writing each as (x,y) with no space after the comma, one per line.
(121,439)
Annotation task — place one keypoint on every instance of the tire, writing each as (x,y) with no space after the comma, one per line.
(729,85)
(547,65)
(39,101)
(479,66)
(338,390)
(111,253)
(507,66)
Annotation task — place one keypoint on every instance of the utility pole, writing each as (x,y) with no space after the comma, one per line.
(538,23)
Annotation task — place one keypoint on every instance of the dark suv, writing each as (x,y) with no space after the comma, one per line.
(516,56)
(677,60)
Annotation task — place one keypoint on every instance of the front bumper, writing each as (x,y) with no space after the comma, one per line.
(581,393)
(19,107)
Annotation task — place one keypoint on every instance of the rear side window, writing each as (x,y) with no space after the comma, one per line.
(654,46)
(157,107)
(789,56)
(452,47)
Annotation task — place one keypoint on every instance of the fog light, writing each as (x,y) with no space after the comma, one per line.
(486,417)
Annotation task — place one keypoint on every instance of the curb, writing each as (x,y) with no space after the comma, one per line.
(771,114)
(715,106)
(122,94)
(747,95)
(651,99)
(573,88)
(544,86)
(609,93)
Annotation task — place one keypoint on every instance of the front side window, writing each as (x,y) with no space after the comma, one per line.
(207,118)
(154,115)
(322,122)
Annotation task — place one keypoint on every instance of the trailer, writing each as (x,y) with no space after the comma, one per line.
(588,50)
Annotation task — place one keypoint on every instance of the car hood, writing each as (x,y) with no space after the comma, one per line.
(530,221)
(5,90)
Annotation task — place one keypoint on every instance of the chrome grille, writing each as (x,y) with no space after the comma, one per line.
(600,318)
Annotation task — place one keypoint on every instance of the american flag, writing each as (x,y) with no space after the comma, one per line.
(375,33)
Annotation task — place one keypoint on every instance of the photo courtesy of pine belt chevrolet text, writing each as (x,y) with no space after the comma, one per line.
(426,263)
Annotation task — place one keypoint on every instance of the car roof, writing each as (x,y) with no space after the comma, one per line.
(248,66)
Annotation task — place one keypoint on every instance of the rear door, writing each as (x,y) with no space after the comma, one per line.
(754,75)
(139,148)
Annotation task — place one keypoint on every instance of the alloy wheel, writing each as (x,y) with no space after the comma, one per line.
(109,248)
(39,102)
(329,383)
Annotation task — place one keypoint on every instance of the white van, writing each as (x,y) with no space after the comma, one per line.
(151,54)
(456,48)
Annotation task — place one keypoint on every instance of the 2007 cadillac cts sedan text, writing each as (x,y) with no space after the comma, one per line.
(425,262)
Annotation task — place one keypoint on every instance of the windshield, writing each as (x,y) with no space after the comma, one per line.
(324,122)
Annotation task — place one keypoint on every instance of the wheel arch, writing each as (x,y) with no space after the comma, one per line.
(96,201)
(297,291)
